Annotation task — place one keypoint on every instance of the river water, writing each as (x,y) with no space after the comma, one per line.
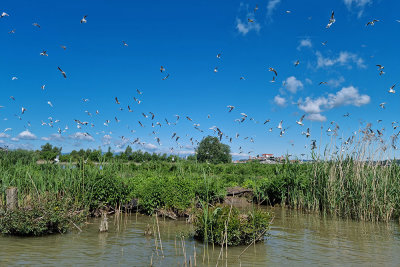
(296,239)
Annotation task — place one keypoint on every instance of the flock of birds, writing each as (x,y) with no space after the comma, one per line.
(151,119)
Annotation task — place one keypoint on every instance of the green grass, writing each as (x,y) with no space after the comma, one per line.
(358,189)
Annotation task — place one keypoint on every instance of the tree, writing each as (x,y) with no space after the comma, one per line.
(49,152)
(212,150)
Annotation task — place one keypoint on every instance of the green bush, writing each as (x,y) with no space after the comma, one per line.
(47,215)
(215,225)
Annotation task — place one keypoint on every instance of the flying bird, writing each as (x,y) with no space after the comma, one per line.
(331,20)
(273,70)
(62,72)
(83,20)
(44,53)
(391,89)
(371,23)
(230,107)
(300,122)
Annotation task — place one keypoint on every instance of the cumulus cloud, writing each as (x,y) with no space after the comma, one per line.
(280,101)
(245,27)
(4,135)
(344,59)
(347,96)
(292,84)
(25,135)
(79,136)
(336,82)
(149,146)
(359,4)
(304,43)
(54,137)
(310,105)
(106,140)
(316,117)
(271,6)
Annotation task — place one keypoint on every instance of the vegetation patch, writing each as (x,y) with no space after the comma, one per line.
(47,215)
(227,225)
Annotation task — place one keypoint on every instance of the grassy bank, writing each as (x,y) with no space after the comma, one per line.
(361,190)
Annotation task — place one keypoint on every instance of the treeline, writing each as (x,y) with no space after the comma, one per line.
(49,153)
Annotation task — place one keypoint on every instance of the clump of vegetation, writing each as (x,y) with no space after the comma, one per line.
(47,215)
(211,150)
(227,225)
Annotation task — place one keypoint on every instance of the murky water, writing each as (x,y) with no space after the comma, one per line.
(296,239)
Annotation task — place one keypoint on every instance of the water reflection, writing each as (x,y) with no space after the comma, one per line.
(295,239)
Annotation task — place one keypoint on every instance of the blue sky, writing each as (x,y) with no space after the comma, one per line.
(185,37)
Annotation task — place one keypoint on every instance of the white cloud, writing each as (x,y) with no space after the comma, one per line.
(336,82)
(271,6)
(106,140)
(82,137)
(305,43)
(292,84)
(149,146)
(310,105)
(25,135)
(360,4)
(4,135)
(54,137)
(347,96)
(344,59)
(239,155)
(280,101)
(245,27)
(316,117)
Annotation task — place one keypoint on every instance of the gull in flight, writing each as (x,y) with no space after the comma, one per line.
(50,104)
(230,107)
(4,14)
(273,70)
(44,53)
(116,100)
(391,89)
(63,47)
(23,110)
(219,55)
(83,20)
(166,77)
(216,69)
(137,90)
(331,20)
(296,63)
(280,125)
(250,20)
(43,86)
(382,105)
(36,25)
(380,68)
(124,43)
(300,122)
(62,72)
(371,23)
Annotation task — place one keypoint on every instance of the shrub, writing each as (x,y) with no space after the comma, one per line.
(215,225)
(51,214)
